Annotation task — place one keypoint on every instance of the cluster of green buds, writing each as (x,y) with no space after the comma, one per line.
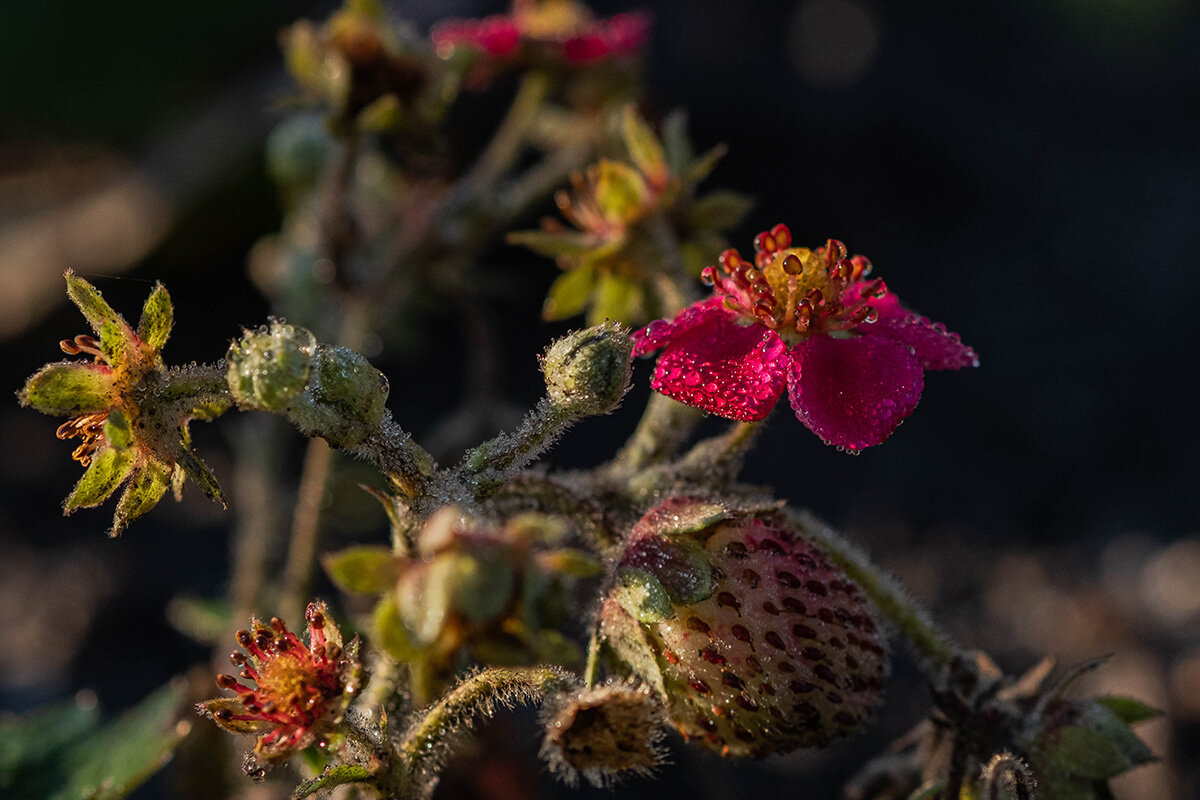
(630,217)
(371,72)
(471,591)
(130,411)
(331,392)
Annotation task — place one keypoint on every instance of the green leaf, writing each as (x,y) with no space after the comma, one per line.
(94,307)
(720,210)
(113,761)
(149,484)
(1127,709)
(621,192)
(1088,754)
(554,243)
(199,472)
(157,317)
(644,147)
(364,569)
(109,468)
(570,292)
(333,776)
(68,388)
(27,742)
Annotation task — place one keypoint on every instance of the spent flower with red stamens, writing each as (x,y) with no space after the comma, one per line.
(299,692)
(130,411)
(852,358)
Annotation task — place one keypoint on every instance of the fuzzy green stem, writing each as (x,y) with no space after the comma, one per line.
(491,464)
(892,600)
(591,670)
(425,746)
(664,426)
(506,143)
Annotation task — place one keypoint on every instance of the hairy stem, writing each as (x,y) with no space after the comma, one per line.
(892,600)
(497,460)
(424,747)
(664,426)
(506,143)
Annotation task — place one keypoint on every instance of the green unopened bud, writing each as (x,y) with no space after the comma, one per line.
(587,372)
(270,366)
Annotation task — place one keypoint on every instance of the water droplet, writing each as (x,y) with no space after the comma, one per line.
(692,378)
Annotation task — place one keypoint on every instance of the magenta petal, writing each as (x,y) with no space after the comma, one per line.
(658,333)
(730,370)
(934,346)
(854,392)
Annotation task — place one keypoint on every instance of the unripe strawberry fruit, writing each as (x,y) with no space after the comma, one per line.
(759,644)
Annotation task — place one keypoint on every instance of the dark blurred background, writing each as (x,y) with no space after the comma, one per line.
(1027,171)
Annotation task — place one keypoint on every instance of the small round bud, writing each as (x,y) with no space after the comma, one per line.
(269,367)
(587,372)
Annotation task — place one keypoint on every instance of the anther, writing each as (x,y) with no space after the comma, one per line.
(792,264)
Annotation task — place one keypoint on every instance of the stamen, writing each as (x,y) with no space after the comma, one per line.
(791,264)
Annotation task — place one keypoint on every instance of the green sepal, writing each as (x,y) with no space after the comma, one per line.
(108,469)
(68,388)
(483,584)
(691,518)
(389,632)
(117,429)
(424,595)
(363,569)
(1088,754)
(683,569)
(383,114)
(703,166)
(619,299)
(554,244)
(644,147)
(157,318)
(340,775)
(209,708)
(570,293)
(149,484)
(677,147)
(641,594)
(569,561)
(346,381)
(94,307)
(195,468)
(719,210)
(627,638)
(116,340)
(621,192)
(1127,709)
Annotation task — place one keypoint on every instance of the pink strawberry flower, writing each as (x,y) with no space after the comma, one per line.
(564,27)
(852,358)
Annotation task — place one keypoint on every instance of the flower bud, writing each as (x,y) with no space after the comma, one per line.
(270,366)
(587,372)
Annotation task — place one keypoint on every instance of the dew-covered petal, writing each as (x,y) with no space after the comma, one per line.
(854,392)
(658,333)
(934,346)
(727,369)
(108,469)
(68,388)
